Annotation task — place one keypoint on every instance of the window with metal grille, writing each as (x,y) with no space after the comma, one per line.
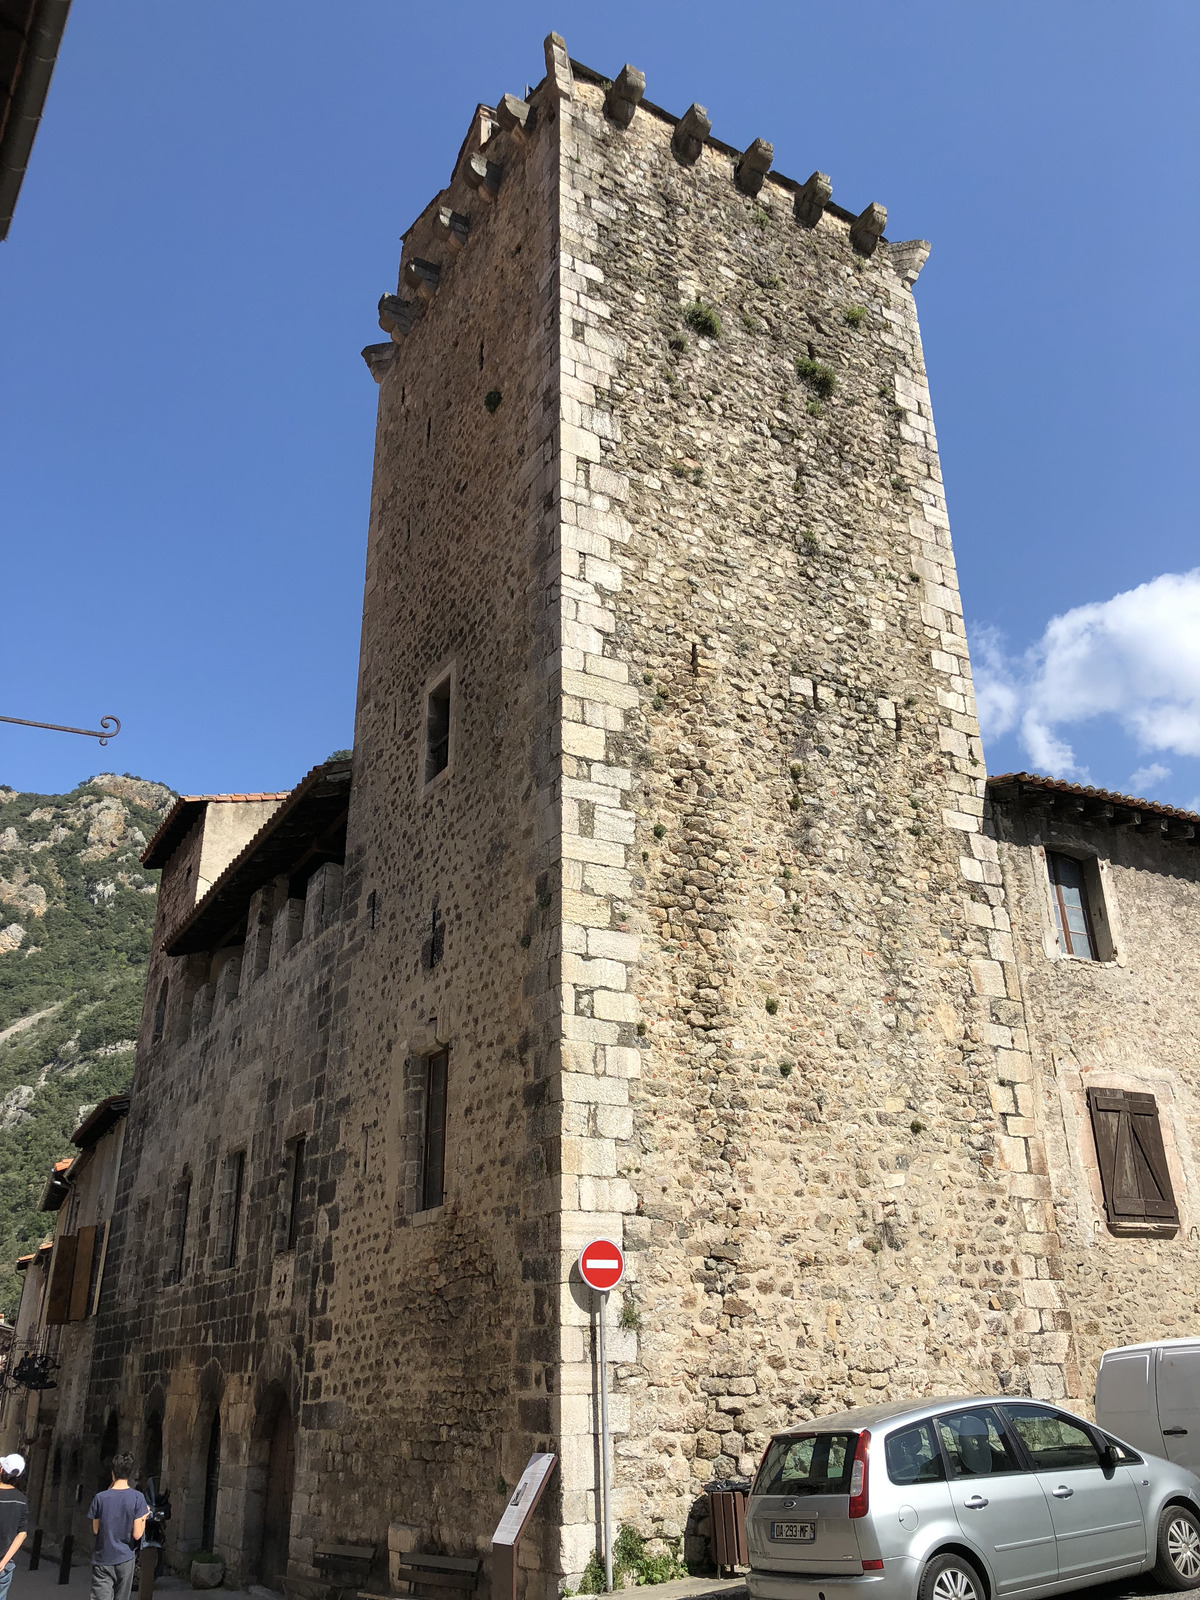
(1133,1164)
(437,729)
(433,1162)
(1072,905)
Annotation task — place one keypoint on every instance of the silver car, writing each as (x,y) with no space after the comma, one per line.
(964,1499)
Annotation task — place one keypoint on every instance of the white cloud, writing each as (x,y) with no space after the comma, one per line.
(1135,657)
(1146,778)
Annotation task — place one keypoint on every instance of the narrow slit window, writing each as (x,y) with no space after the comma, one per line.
(437,730)
(1072,910)
(235,1174)
(295,1189)
(183,1202)
(160,1014)
(433,1164)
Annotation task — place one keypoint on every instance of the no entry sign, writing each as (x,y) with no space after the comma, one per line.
(601,1265)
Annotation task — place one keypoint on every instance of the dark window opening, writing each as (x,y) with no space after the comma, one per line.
(153,1450)
(1072,905)
(179,1227)
(437,730)
(212,1480)
(297,1185)
(235,1172)
(1133,1164)
(160,1014)
(433,1164)
(481,355)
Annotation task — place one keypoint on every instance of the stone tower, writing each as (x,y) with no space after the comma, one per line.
(699,899)
(655,904)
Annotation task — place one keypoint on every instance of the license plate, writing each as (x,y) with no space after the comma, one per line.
(799,1532)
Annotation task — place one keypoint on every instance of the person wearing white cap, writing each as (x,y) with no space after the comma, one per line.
(14,1518)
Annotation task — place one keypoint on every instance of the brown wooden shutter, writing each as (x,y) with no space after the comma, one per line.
(85,1244)
(1133,1164)
(61,1279)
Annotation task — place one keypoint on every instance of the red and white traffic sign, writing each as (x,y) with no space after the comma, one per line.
(601,1265)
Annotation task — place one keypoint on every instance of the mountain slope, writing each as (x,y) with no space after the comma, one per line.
(76,917)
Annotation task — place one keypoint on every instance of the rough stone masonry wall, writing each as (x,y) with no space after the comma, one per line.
(433,1355)
(806,1093)
(1126,1023)
(242,1066)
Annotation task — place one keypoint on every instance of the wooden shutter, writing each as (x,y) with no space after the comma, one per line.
(85,1244)
(62,1277)
(1133,1163)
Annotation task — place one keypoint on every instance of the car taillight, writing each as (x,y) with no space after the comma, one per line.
(858,1477)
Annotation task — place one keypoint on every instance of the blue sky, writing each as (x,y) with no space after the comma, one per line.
(213,209)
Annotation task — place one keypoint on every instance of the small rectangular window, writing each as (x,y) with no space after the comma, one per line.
(1133,1164)
(295,1189)
(1072,905)
(433,1164)
(231,1217)
(437,729)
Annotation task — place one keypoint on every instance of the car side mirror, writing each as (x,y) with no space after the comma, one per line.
(1108,1459)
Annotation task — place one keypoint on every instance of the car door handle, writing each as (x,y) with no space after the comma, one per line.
(975,1503)
(1062,1492)
(1173,1432)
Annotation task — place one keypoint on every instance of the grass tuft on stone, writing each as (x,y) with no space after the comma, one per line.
(702,319)
(820,378)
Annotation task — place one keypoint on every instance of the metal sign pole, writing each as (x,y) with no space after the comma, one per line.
(602,1297)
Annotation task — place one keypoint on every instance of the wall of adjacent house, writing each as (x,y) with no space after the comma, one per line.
(1129,1022)
(241,1069)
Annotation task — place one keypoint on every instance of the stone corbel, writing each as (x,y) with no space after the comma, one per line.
(379,358)
(908,257)
(623,99)
(516,117)
(753,166)
(692,129)
(453,228)
(422,277)
(483,176)
(396,316)
(867,227)
(812,199)
(560,80)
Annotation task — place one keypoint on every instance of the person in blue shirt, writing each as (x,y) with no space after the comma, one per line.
(14,1518)
(118,1522)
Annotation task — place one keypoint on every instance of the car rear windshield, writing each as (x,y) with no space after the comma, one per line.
(811,1463)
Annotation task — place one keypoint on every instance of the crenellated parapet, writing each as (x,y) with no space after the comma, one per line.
(501,135)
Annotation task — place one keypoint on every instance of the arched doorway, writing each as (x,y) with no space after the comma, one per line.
(277,1499)
(212,1481)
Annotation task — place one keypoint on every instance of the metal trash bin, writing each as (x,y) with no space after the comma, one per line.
(727,1512)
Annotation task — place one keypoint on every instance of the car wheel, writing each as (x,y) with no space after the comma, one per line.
(952,1577)
(1178,1565)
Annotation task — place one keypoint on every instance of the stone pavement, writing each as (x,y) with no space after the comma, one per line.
(44,1585)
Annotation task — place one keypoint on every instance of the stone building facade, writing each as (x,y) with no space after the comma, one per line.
(44,1407)
(661,901)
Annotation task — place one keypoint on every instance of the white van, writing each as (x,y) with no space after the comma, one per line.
(1149,1395)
